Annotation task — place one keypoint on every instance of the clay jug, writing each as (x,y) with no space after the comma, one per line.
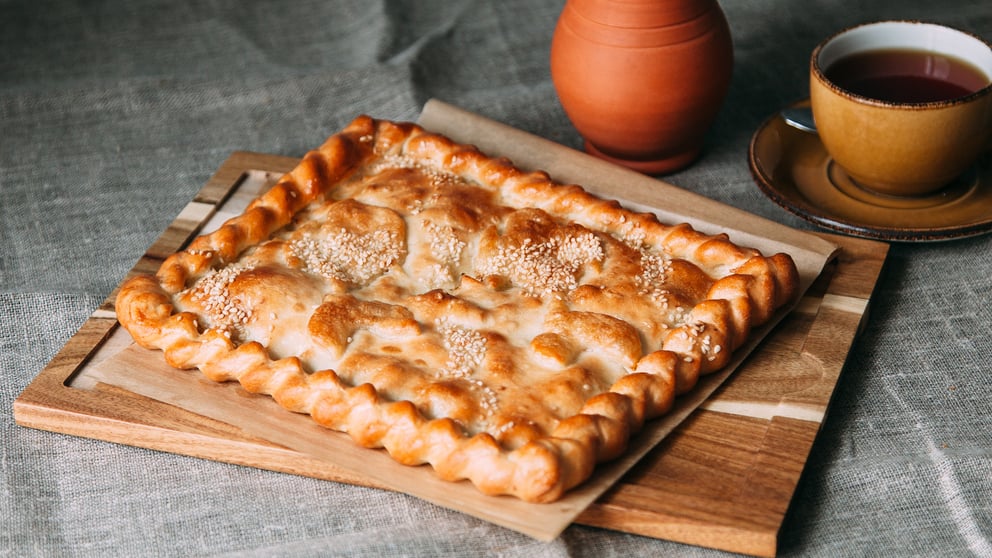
(642,80)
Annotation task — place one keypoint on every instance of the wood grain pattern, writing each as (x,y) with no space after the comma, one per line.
(723,479)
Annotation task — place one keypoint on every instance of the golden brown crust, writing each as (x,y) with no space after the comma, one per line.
(454,310)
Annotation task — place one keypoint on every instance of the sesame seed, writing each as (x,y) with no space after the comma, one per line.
(634,237)
(504,428)
(653,276)
(466,349)
(429,169)
(348,257)
(445,245)
(438,276)
(220,308)
(547,267)
(466,352)
(489,402)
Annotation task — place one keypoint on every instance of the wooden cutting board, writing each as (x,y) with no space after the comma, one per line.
(723,479)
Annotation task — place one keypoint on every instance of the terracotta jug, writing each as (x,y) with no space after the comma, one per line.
(642,80)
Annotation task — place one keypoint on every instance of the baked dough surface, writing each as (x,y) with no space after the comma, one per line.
(441,304)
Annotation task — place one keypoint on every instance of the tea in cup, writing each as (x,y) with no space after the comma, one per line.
(904,107)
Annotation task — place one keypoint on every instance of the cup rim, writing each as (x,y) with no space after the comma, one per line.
(818,70)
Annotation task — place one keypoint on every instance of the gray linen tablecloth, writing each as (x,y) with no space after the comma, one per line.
(113,114)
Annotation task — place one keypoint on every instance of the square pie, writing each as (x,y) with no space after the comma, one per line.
(454,310)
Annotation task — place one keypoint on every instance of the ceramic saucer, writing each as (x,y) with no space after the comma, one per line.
(793,169)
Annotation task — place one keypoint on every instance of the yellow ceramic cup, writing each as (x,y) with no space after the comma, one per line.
(896,147)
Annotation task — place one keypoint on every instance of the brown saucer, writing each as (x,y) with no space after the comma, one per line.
(792,168)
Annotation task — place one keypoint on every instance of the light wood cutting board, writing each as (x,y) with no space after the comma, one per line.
(723,479)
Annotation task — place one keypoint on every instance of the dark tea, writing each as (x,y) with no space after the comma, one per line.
(906,76)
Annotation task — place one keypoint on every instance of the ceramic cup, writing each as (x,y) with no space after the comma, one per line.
(892,145)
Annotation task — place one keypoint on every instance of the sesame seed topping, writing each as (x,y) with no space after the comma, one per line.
(433,172)
(438,276)
(345,256)
(446,249)
(445,245)
(654,275)
(488,400)
(466,352)
(220,308)
(544,268)
(504,428)
(634,236)
(466,349)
